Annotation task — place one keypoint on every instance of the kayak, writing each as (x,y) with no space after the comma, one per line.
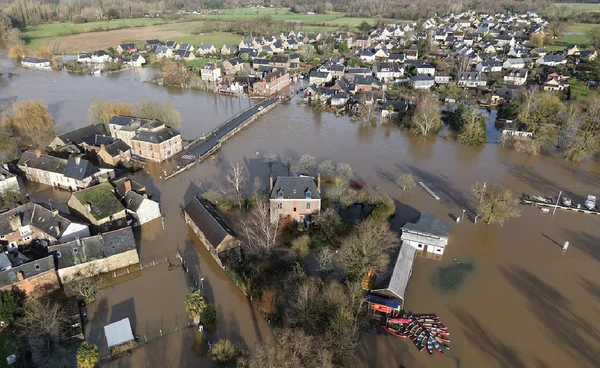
(400,321)
(429,347)
(395,333)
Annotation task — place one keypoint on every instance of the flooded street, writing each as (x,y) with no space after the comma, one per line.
(526,304)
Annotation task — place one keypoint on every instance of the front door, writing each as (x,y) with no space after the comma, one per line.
(424,247)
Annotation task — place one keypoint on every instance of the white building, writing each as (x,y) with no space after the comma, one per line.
(35,63)
(427,234)
(8,182)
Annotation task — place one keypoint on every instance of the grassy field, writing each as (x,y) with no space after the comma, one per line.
(581,39)
(66,28)
(580,6)
(218,39)
(275,13)
(199,62)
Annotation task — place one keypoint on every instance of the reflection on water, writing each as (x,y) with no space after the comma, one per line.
(494,316)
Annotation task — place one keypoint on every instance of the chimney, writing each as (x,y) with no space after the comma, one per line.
(77,160)
(319,182)
(38,153)
(20,276)
(15,222)
(270,182)
(88,207)
(127,185)
(78,241)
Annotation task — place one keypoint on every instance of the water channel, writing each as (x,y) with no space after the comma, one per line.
(526,304)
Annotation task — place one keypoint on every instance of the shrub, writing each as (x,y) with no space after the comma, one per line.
(78,19)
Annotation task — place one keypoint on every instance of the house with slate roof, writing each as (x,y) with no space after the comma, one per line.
(94,255)
(74,173)
(113,151)
(82,137)
(134,198)
(428,234)
(295,198)
(391,285)
(211,227)
(99,206)
(34,278)
(31,221)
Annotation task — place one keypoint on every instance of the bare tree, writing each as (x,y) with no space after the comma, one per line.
(344,172)
(101,111)
(405,181)
(326,169)
(237,178)
(44,316)
(305,164)
(496,204)
(270,159)
(261,229)
(426,118)
(86,287)
(366,110)
(288,162)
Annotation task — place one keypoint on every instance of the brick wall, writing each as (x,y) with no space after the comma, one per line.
(38,285)
(294,209)
(99,266)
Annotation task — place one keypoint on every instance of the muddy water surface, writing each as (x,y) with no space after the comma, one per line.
(526,304)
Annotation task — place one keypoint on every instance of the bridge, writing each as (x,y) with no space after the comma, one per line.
(202,147)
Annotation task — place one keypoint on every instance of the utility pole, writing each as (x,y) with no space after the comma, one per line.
(557,200)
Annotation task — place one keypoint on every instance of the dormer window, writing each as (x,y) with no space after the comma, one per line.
(308,194)
(280,194)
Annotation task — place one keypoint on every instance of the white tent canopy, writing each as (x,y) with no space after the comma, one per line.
(118,332)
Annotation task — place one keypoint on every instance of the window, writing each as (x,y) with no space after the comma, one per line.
(280,193)
(294,209)
(420,245)
(37,267)
(308,194)
(151,148)
(75,250)
(308,206)
(12,275)
(279,206)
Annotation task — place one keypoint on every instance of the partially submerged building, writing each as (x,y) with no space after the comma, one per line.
(427,234)
(99,206)
(33,278)
(295,198)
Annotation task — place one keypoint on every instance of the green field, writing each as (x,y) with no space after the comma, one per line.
(581,39)
(580,7)
(200,62)
(65,28)
(275,13)
(218,39)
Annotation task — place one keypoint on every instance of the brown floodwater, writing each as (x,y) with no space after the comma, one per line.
(526,303)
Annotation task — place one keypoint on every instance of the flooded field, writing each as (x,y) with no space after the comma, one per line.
(525,304)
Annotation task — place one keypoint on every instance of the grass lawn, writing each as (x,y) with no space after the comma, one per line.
(218,39)
(8,345)
(275,13)
(580,6)
(200,62)
(65,28)
(350,22)
(578,88)
(581,39)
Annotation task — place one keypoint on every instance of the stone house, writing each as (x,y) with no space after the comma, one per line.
(210,226)
(295,198)
(232,66)
(589,55)
(271,83)
(8,181)
(362,42)
(280,61)
(318,77)
(35,278)
(206,49)
(31,221)
(94,255)
(210,72)
(229,49)
(99,206)
(114,153)
(163,52)
(126,47)
(428,234)
(74,173)
(184,55)
(137,202)
(83,137)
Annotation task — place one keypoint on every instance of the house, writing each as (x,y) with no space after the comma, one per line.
(136,201)
(84,57)
(388,292)
(318,78)
(271,83)
(35,63)
(426,69)
(34,278)
(260,62)
(206,49)
(94,255)
(156,142)
(163,52)
(572,50)
(411,54)
(472,80)
(31,221)
(340,98)
(386,71)
(229,49)
(551,60)
(428,234)
(100,57)
(83,137)
(136,61)
(362,42)
(172,45)
(233,66)
(185,55)
(367,56)
(517,77)
(442,77)
(280,61)
(114,152)
(337,71)
(555,82)
(489,65)
(99,206)
(422,81)
(186,47)
(363,83)
(502,95)
(151,45)
(516,63)
(126,47)
(8,181)
(392,110)
(295,198)
(589,55)
(382,54)
(210,72)
(252,53)
(211,227)
(74,173)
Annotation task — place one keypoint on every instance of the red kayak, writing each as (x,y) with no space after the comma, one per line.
(399,321)
(394,333)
